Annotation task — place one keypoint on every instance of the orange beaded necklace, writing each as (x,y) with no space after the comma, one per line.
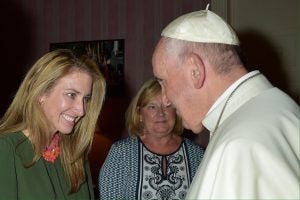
(52,151)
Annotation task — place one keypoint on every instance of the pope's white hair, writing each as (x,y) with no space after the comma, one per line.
(221,56)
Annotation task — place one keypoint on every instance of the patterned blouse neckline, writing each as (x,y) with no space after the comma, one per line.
(159,154)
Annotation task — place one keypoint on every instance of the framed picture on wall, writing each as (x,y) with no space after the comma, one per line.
(109,54)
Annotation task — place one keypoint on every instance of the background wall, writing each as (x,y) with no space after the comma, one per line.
(29,26)
(269,31)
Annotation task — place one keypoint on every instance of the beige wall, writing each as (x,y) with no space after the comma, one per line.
(269,32)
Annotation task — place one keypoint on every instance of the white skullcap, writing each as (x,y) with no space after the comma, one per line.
(201,26)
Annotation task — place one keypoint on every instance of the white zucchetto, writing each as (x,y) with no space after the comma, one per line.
(201,26)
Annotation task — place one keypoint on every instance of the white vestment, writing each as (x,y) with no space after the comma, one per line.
(254,152)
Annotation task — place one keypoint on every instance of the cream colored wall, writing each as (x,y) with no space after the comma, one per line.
(270,33)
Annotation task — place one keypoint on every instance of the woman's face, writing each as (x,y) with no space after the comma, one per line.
(66,102)
(157,119)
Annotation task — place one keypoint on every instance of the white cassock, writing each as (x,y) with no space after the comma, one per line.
(254,152)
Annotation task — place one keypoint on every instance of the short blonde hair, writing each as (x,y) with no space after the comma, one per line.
(149,89)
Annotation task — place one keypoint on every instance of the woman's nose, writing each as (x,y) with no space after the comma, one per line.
(80,108)
(161,110)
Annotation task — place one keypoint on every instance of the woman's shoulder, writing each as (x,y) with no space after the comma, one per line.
(124,149)
(13,138)
(10,142)
(191,144)
(127,143)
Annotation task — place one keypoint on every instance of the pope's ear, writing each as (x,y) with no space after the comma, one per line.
(197,70)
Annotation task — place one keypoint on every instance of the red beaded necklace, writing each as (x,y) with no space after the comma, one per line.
(52,151)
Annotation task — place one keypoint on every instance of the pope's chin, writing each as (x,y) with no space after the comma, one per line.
(197,130)
(194,129)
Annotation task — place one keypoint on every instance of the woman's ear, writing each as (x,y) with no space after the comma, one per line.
(197,70)
(141,118)
(41,99)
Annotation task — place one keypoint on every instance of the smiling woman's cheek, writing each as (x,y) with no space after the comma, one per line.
(64,105)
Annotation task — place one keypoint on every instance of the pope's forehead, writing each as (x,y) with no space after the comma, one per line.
(161,53)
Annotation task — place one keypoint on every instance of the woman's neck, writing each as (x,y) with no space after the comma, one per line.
(162,145)
(26,132)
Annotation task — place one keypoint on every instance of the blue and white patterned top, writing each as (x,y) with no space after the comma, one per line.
(131,171)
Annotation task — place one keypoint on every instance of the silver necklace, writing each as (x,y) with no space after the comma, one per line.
(229,98)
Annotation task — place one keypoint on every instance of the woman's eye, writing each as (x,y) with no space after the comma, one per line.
(72,95)
(151,106)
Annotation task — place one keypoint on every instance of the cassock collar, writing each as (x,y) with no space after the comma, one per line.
(246,91)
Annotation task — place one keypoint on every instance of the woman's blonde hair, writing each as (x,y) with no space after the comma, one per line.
(149,89)
(25,111)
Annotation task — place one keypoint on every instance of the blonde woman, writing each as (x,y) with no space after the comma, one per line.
(47,131)
(156,162)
